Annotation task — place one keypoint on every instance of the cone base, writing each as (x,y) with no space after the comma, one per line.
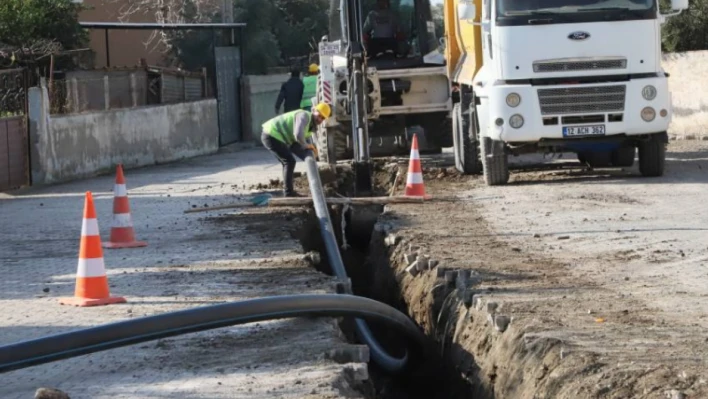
(85,302)
(426,196)
(119,245)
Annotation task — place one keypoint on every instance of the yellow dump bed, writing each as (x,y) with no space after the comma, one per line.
(463,48)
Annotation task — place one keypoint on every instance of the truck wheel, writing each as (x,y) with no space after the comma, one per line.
(466,151)
(623,157)
(495,162)
(652,157)
(595,159)
(439,132)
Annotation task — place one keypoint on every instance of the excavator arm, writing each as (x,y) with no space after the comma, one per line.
(352,19)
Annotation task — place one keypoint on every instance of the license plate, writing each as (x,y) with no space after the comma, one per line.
(595,130)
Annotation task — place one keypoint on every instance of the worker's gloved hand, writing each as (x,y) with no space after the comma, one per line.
(313,149)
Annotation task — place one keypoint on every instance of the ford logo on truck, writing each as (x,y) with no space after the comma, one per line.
(578,35)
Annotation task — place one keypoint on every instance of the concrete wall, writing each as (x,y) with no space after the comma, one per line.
(75,146)
(260,93)
(688,84)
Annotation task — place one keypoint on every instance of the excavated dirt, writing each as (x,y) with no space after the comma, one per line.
(523,321)
(515,310)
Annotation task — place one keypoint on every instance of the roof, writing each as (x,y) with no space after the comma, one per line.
(158,26)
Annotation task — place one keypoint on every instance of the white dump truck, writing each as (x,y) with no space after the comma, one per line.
(554,76)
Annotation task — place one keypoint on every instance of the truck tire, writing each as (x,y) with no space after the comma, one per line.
(495,162)
(623,157)
(438,132)
(652,158)
(466,151)
(596,159)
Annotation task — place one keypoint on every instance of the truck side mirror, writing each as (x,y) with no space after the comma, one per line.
(679,4)
(467,11)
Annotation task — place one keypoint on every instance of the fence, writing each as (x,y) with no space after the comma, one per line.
(89,91)
(66,147)
(14,144)
(13,91)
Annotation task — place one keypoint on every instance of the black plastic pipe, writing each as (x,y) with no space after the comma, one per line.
(378,353)
(108,336)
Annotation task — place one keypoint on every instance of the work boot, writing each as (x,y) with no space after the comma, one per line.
(293,194)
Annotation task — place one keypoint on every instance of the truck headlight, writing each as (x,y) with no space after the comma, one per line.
(516,121)
(648,114)
(513,100)
(649,92)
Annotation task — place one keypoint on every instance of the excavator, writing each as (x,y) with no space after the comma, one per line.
(383,88)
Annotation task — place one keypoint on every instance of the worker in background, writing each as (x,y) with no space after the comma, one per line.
(288,134)
(381,30)
(310,83)
(290,93)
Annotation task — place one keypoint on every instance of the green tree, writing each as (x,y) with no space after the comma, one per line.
(687,31)
(277,32)
(299,27)
(30,29)
(260,47)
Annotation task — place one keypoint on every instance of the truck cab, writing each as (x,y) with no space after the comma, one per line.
(554,76)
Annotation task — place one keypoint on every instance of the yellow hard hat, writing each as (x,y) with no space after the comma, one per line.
(324,109)
(314,68)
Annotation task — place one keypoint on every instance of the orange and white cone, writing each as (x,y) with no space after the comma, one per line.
(122,232)
(414,183)
(91,280)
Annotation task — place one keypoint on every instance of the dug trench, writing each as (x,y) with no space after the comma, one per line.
(429,374)
(501,322)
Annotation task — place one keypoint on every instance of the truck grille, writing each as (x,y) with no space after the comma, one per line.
(570,66)
(573,100)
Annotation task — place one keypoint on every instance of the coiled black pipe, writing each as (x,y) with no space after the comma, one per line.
(108,336)
(378,353)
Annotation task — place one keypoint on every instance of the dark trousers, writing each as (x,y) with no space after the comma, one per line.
(284,154)
(377,46)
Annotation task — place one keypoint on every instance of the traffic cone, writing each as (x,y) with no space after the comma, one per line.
(91,281)
(122,233)
(414,183)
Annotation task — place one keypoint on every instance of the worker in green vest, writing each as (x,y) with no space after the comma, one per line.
(310,90)
(290,134)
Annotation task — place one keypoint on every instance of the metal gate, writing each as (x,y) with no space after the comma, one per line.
(228,75)
(14,142)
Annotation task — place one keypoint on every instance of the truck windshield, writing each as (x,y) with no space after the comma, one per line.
(391,28)
(573,10)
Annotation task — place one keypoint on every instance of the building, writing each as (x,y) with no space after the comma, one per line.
(127,47)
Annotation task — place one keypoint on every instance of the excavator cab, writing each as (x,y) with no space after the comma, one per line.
(395,33)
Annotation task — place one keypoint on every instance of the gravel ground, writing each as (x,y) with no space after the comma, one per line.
(191,260)
(601,273)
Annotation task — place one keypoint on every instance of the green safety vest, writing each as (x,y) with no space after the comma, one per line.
(282,127)
(309,91)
